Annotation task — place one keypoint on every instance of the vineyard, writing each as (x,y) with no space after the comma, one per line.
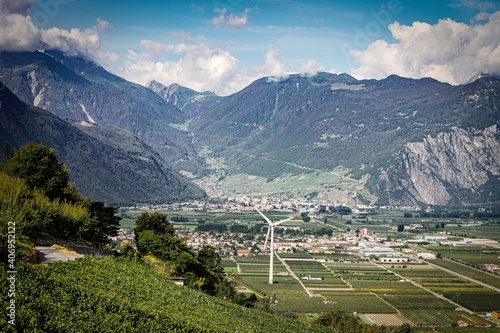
(119,295)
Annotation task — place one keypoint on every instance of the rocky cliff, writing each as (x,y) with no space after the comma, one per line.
(452,167)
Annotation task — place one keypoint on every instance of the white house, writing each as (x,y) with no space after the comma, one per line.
(394,260)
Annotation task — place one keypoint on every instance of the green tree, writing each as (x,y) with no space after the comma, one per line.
(39,167)
(7,151)
(104,223)
(157,222)
(305,217)
(342,210)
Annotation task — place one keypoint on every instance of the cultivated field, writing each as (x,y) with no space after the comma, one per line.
(382,296)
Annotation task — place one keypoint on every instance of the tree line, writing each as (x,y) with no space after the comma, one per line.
(37,195)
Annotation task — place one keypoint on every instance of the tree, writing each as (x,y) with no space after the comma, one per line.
(39,167)
(7,151)
(405,328)
(104,223)
(401,227)
(342,210)
(209,258)
(305,217)
(157,222)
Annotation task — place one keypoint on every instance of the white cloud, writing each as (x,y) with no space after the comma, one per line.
(282,67)
(86,43)
(272,65)
(447,51)
(231,20)
(200,66)
(18,33)
(73,42)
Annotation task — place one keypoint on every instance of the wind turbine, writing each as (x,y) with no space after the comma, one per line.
(271,230)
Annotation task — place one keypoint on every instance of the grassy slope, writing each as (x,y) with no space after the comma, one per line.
(111,295)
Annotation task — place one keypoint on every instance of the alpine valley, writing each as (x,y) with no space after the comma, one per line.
(329,137)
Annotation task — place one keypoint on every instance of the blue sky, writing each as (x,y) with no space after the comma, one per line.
(223,45)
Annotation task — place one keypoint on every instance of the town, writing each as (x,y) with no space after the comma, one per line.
(335,229)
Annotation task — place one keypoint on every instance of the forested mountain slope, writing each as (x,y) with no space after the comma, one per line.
(107,163)
(374,128)
(78,89)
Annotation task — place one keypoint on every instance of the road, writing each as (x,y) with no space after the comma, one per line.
(48,254)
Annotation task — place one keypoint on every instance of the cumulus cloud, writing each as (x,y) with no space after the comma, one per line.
(19,33)
(200,66)
(231,20)
(86,43)
(279,67)
(272,65)
(448,51)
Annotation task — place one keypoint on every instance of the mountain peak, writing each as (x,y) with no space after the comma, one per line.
(481,75)
(178,95)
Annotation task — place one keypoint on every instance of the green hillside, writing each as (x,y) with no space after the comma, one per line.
(121,295)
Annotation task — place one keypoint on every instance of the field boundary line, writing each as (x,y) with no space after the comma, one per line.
(383,300)
(424,288)
(484,284)
(295,276)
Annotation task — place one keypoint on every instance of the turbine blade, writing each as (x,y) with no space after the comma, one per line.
(265,243)
(264,216)
(288,219)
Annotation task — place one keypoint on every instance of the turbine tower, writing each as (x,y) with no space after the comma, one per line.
(271,230)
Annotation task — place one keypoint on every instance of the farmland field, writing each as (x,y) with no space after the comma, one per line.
(387,319)
(469,271)
(362,288)
(357,302)
(384,294)
(473,255)
(479,301)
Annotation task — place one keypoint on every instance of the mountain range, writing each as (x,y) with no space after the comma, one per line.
(395,141)
(105,162)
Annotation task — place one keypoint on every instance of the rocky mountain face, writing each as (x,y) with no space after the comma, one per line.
(78,89)
(459,166)
(108,163)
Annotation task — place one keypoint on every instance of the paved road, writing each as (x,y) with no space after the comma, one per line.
(48,255)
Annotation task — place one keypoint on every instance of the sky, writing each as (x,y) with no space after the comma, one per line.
(224,45)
